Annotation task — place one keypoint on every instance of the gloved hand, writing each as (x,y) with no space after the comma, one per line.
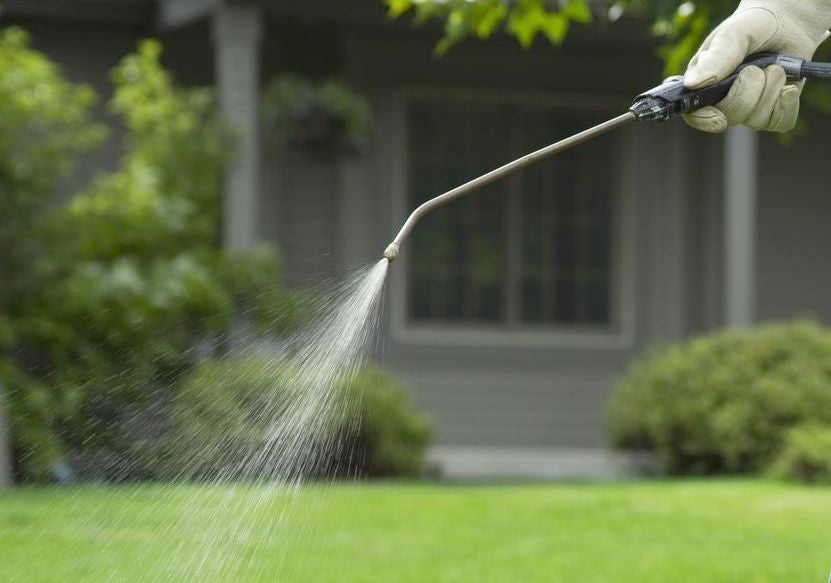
(760,99)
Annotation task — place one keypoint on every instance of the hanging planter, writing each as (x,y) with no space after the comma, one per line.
(321,116)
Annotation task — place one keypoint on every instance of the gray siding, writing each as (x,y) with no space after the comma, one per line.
(794,253)
(509,392)
(302,213)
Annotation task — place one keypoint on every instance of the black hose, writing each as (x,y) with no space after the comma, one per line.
(811,70)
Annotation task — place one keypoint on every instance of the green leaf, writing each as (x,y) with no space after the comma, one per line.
(526,20)
(424,11)
(443,45)
(577,11)
(491,15)
(555,27)
(677,54)
(396,8)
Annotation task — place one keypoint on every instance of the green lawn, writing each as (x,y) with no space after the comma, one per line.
(641,531)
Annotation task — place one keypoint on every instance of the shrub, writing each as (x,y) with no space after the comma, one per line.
(105,296)
(383,431)
(806,454)
(724,402)
(228,410)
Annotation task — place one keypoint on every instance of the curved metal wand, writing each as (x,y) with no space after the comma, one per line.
(394,248)
(664,102)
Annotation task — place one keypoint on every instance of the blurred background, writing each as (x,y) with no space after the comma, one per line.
(255,149)
(166,201)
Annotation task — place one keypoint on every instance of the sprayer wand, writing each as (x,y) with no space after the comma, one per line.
(664,102)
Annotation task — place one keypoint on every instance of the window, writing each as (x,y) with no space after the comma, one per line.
(534,250)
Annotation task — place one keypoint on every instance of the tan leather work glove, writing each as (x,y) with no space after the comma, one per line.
(760,99)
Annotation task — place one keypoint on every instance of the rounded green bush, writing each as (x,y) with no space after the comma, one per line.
(229,411)
(806,455)
(724,402)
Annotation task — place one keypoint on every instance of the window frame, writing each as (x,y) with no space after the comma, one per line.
(513,331)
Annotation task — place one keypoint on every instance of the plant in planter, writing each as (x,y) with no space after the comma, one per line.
(316,115)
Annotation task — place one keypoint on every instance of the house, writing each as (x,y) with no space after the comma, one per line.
(512,313)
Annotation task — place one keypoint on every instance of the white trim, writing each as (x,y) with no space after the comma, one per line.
(488,463)
(177,13)
(623,279)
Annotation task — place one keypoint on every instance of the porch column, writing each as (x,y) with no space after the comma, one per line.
(740,181)
(236,31)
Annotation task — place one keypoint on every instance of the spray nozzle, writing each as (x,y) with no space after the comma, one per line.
(391,252)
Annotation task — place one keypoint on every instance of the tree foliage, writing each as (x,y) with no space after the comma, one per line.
(681,24)
(524,19)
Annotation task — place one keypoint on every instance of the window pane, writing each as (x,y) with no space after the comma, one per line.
(596,301)
(567,227)
(457,255)
(563,206)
